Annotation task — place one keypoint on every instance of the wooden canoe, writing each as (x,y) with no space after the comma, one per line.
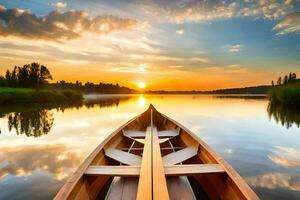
(154,157)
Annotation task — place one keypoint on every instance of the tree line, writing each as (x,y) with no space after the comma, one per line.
(290,78)
(100,88)
(35,75)
(31,75)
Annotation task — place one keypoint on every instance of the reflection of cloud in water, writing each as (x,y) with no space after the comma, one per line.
(229,150)
(22,161)
(275,180)
(285,156)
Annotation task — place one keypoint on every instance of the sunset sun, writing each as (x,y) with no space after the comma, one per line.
(141,85)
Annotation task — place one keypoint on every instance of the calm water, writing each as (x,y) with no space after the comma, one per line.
(40,146)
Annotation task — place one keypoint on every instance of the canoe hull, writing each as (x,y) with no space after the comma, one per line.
(186,165)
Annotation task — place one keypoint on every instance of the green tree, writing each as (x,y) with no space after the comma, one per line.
(279,81)
(285,80)
(3,81)
(8,77)
(14,77)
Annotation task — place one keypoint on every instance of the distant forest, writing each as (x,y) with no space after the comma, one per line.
(37,76)
(101,88)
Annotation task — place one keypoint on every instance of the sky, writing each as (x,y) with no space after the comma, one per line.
(165,44)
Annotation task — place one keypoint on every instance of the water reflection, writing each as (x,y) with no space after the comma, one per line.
(284,115)
(238,129)
(32,123)
(285,156)
(37,119)
(22,161)
(275,180)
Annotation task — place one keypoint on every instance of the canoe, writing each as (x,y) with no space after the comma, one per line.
(154,157)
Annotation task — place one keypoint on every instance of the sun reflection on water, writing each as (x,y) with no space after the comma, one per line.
(141,101)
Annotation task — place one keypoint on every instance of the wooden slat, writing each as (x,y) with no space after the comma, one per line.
(128,135)
(160,189)
(179,156)
(145,180)
(131,133)
(123,157)
(142,141)
(170,170)
(186,170)
(168,133)
(163,140)
(180,187)
(122,188)
(113,170)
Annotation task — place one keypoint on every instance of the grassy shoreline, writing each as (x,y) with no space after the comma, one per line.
(27,95)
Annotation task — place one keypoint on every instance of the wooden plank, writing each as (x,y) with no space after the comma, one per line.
(133,134)
(130,188)
(142,141)
(116,189)
(113,170)
(160,189)
(194,169)
(128,135)
(123,157)
(163,140)
(180,187)
(122,188)
(171,170)
(145,180)
(168,133)
(179,156)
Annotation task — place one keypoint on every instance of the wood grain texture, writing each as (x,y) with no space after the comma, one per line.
(195,169)
(179,156)
(145,180)
(160,189)
(131,133)
(168,133)
(126,171)
(180,188)
(123,157)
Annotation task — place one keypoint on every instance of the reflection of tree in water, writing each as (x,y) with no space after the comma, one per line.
(32,123)
(284,115)
(37,119)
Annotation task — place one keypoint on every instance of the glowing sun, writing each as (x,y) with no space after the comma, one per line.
(141,85)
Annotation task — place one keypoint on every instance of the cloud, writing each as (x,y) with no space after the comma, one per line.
(58,25)
(235,48)
(198,59)
(59,4)
(291,24)
(180,32)
(199,52)
(130,68)
(202,10)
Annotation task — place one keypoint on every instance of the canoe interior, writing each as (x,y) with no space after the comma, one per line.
(127,165)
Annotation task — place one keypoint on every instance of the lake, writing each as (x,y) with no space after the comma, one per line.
(41,145)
